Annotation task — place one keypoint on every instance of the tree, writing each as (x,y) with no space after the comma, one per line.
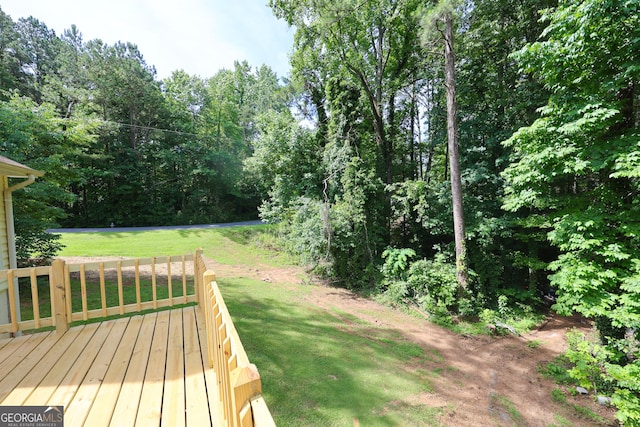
(33,135)
(40,46)
(12,75)
(443,13)
(373,43)
(454,159)
(496,99)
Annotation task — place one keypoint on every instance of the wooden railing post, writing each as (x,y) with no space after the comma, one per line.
(198,270)
(58,289)
(246,385)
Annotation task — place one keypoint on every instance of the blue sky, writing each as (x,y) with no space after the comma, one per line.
(198,36)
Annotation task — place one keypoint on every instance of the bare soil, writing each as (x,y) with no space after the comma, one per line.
(484,380)
(481,380)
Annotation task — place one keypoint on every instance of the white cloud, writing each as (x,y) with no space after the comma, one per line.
(199,36)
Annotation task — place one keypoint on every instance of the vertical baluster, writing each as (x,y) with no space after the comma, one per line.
(184,280)
(138,299)
(83,291)
(120,291)
(153,282)
(35,297)
(103,291)
(67,292)
(169,286)
(13,310)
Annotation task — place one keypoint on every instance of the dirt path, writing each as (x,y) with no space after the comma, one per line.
(482,380)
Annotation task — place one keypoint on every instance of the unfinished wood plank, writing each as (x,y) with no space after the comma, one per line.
(260,413)
(60,368)
(36,375)
(184,280)
(129,308)
(10,345)
(4,342)
(12,355)
(196,403)
(173,399)
(24,272)
(150,408)
(107,396)
(59,294)
(211,380)
(67,293)
(154,291)
(126,406)
(169,285)
(26,364)
(108,332)
(26,325)
(78,408)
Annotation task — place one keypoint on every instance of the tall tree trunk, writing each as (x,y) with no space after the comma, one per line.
(454,160)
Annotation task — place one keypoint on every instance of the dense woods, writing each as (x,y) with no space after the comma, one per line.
(528,110)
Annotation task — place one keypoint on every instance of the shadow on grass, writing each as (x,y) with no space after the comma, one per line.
(320,370)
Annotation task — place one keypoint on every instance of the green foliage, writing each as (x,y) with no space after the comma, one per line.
(434,284)
(626,397)
(305,232)
(33,135)
(576,166)
(159,152)
(431,284)
(558,396)
(396,263)
(588,361)
(558,370)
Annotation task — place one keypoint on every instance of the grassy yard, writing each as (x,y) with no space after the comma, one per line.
(321,369)
(224,245)
(318,368)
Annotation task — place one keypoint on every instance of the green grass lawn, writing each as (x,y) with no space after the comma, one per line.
(225,245)
(316,369)
(319,371)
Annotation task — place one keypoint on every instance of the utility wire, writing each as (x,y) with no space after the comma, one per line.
(177,132)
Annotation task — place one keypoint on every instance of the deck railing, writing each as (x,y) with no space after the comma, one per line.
(240,389)
(101,289)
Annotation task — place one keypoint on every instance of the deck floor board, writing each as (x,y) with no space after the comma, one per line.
(142,370)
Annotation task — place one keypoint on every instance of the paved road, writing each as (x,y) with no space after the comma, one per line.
(166,227)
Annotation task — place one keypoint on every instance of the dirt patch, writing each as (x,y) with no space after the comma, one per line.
(479,379)
(161,268)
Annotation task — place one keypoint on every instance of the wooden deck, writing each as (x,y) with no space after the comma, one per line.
(143,370)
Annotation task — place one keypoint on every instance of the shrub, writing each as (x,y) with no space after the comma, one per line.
(434,284)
